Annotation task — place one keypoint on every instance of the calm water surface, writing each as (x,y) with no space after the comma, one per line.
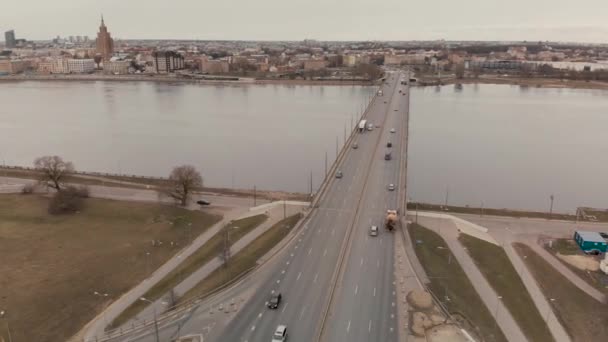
(502,145)
(509,147)
(270,136)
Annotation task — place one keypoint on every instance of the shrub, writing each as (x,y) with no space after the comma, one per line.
(28,189)
(68,200)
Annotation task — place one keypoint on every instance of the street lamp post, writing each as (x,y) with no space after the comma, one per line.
(498,298)
(102,295)
(155,318)
(547,316)
(3,314)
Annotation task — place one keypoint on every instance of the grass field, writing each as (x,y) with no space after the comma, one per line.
(597,279)
(51,265)
(498,270)
(489,211)
(245,259)
(584,318)
(448,279)
(206,253)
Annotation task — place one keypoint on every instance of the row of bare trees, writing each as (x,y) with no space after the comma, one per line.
(183,180)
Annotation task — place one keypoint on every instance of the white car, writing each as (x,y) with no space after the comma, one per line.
(280,335)
(391,187)
(393,130)
(373,231)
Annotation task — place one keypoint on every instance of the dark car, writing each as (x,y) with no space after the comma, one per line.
(274,301)
(389,144)
(604,235)
(203,202)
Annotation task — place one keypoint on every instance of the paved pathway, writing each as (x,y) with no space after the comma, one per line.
(275,214)
(449,231)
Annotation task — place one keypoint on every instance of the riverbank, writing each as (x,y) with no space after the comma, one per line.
(175,79)
(139,182)
(525,82)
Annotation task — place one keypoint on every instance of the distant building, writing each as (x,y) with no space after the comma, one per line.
(213,66)
(314,64)
(80,66)
(9,39)
(167,61)
(105,43)
(117,67)
(12,67)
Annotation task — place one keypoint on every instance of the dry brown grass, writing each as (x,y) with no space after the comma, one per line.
(51,265)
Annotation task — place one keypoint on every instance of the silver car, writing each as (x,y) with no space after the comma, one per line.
(373,231)
(391,187)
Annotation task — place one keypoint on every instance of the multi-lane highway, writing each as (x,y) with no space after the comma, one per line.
(338,232)
(337,282)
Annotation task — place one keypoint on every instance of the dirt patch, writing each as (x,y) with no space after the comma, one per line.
(582,262)
(445,333)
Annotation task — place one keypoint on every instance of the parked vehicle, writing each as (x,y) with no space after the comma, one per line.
(391,187)
(373,231)
(203,202)
(339,174)
(387,155)
(355,145)
(389,144)
(370,127)
(393,130)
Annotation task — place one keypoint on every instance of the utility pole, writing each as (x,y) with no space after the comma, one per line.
(447,194)
(344,133)
(254,198)
(325,166)
(311,196)
(481,209)
(336,148)
(551,207)
(284,209)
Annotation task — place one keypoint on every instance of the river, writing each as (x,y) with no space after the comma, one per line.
(509,147)
(506,146)
(270,136)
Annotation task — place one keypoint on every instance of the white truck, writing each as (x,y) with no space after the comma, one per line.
(362,125)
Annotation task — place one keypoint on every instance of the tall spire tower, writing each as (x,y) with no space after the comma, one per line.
(105,43)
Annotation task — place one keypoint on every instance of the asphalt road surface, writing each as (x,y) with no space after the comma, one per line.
(363,304)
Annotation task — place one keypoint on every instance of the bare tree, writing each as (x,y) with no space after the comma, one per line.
(183,180)
(54,169)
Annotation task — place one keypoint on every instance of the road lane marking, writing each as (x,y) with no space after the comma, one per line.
(333,231)
(378,263)
(369,326)
(260,315)
(356,289)
(315,280)
(302,312)
(361,261)
(299,275)
(325,252)
(380,240)
(374,292)
(284,307)
(310,250)
(348,327)
(252,327)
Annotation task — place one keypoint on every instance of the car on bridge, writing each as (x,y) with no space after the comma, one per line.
(275,301)
(280,335)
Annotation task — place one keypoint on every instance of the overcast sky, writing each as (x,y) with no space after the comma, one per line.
(563,20)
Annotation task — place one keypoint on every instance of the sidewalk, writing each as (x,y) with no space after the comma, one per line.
(275,214)
(449,232)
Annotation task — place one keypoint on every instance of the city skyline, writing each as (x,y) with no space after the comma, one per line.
(273,20)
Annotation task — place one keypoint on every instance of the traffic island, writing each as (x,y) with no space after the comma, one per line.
(498,270)
(451,286)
